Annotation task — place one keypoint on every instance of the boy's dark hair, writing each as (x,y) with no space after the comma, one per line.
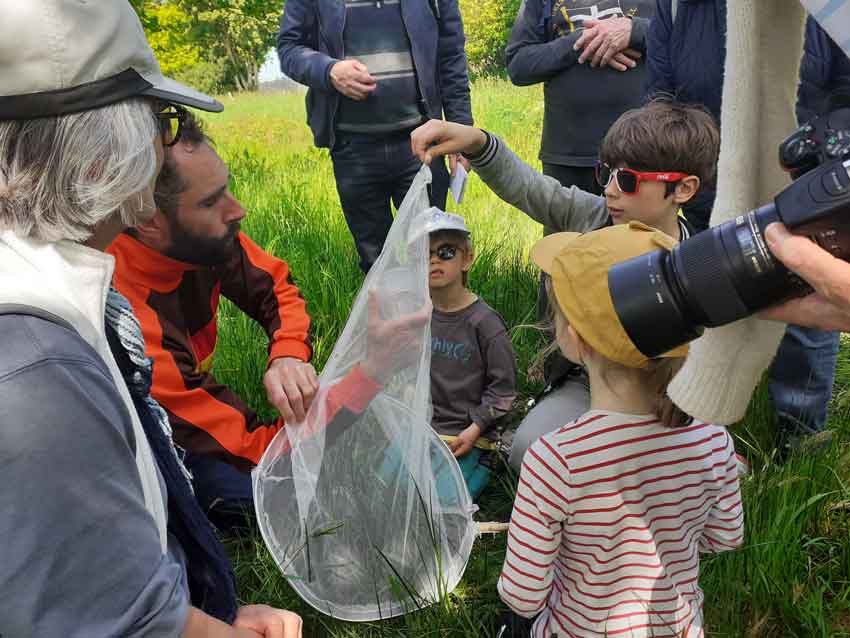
(169,183)
(460,238)
(665,136)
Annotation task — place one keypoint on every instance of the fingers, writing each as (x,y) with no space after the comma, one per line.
(282,624)
(358,90)
(462,447)
(591,48)
(293,406)
(813,311)
(621,62)
(291,386)
(422,138)
(588,33)
(828,275)
(308,386)
(452,164)
(634,54)
(438,150)
(268,621)
(290,625)
(277,396)
(609,53)
(601,52)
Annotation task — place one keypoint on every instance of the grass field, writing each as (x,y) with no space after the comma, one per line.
(791,578)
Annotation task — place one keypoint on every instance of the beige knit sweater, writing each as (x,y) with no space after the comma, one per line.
(764,44)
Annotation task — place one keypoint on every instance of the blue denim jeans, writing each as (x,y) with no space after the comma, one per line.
(800,380)
(372,170)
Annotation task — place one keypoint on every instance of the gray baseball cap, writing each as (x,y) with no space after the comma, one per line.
(64,56)
(437,219)
(432,220)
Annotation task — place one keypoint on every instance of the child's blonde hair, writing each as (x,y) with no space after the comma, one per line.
(655,376)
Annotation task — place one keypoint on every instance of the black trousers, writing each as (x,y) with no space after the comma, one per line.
(371,171)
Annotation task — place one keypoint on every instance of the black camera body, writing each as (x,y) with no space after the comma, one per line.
(665,299)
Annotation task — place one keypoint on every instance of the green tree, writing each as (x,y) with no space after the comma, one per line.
(239,31)
(487,24)
(169,32)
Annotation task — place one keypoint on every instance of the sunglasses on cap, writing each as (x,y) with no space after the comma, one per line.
(444,252)
(628,180)
(170,118)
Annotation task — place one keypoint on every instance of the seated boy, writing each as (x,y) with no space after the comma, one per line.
(473,366)
(652,160)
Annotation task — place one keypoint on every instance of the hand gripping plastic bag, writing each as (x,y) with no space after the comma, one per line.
(362,506)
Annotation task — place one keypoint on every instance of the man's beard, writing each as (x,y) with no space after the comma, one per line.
(198,250)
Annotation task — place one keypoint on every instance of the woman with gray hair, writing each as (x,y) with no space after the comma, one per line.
(101,534)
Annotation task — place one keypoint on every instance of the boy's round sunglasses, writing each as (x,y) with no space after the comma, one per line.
(628,180)
(444,252)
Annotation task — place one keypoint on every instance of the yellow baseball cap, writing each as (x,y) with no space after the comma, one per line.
(578,264)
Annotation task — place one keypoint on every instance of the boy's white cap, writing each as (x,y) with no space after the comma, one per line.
(65,56)
(437,219)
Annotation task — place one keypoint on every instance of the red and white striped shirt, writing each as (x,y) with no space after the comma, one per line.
(611,513)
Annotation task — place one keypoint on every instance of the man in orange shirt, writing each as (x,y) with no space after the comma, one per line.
(173,270)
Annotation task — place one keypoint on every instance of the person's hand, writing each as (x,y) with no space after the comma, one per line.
(625,60)
(392,344)
(602,39)
(352,79)
(465,441)
(454,160)
(268,621)
(828,308)
(291,385)
(438,137)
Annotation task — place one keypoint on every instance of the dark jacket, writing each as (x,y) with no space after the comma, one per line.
(824,71)
(580,102)
(310,42)
(685,59)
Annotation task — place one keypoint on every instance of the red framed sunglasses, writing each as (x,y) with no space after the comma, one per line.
(628,180)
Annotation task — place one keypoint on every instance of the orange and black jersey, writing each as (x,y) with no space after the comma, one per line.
(176,304)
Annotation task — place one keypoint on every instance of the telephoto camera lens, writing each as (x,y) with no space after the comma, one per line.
(665,299)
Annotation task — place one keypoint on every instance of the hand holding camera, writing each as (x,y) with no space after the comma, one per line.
(828,308)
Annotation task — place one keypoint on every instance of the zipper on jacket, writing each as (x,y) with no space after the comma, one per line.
(422,98)
(342,57)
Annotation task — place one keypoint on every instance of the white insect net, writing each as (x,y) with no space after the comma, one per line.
(362,506)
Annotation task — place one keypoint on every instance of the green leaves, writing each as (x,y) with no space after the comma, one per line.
(487,24)
(230,38)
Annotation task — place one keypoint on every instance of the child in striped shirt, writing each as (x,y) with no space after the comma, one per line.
(613,509)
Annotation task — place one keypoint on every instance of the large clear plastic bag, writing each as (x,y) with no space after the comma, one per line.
(367,513)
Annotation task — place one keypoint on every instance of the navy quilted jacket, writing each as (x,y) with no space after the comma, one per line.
(685,58)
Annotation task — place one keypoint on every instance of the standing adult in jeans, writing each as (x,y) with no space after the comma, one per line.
(802,374)
(375,71)
(588,55)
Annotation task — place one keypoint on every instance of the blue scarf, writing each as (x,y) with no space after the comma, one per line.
(212,585)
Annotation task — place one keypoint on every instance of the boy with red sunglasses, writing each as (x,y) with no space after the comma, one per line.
(653,160)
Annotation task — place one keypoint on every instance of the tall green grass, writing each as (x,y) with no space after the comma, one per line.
(792,577)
